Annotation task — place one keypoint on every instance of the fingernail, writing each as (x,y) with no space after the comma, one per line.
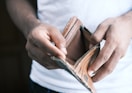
(64,50)
(91,73)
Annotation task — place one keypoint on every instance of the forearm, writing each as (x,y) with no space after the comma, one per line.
(23,15)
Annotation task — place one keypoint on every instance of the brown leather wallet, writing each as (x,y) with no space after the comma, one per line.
(81,53)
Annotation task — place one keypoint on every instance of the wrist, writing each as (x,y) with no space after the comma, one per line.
(32,23)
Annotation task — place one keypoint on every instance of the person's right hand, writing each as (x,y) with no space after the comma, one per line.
(43,42)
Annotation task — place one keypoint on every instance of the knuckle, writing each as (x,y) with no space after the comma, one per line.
(102,25)
(105,23)
(104,57)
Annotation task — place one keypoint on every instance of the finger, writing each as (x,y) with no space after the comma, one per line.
(103,56)
(100,32)
(35,52)
(44,59)
(43,42)
(59,40)
(107,68)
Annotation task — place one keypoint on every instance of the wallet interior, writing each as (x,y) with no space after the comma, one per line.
(77,41)
(80,52)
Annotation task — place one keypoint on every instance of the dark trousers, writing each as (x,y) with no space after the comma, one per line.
(35,88)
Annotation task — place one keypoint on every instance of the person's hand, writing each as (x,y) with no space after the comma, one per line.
(117,33)
(43,42)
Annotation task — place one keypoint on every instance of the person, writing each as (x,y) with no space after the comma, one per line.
(110,21)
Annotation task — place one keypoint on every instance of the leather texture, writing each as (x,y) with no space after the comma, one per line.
(81,53)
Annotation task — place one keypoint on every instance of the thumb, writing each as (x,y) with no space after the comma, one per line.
(101,30)
(59,40)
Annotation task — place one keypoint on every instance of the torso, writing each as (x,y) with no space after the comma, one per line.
(91,13)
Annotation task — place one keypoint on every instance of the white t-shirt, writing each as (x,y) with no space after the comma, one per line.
(91,13)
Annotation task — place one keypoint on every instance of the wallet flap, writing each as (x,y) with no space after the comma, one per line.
(74,40)
(71,29)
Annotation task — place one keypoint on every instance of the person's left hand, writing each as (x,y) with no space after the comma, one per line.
(117,32)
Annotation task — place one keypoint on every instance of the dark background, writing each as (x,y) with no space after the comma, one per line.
(14,62)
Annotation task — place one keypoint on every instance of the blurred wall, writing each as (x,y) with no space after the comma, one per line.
(14,62)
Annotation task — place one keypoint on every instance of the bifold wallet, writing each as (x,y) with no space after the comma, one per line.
(80,52)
